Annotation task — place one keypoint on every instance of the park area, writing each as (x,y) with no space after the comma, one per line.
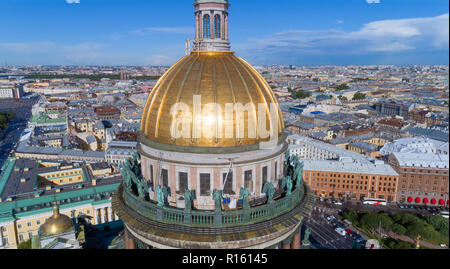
(400,231)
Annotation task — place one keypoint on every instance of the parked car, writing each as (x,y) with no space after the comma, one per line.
(341,231)
(338,203)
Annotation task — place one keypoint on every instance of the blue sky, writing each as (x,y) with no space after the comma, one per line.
(153,32)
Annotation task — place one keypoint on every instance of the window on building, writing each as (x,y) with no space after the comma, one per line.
(248,180)
(264,175)
(228,183)
(206,26)
(3,229)
(28,224)
(5,240)
(183,184)
(38,222)
(165,177)
(21,238)
(151,173)
(276,170)
(19,226)
(205,184)
(30,235)
(217,25)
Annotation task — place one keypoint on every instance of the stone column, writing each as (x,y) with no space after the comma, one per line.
(201,24)
(222,25)
(110,215)
(129,242)
(287,243)
(196,26)
(211,24)
(96,216)
(226,26)
(102,212)
(1,238)
(296,240)
(116,217)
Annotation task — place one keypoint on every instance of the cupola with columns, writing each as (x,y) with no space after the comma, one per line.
(211,25)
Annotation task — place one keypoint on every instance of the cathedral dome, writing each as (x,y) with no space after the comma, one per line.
(217,77)
(56,224)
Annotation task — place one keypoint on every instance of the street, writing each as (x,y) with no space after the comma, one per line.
(11,135)
(323,234)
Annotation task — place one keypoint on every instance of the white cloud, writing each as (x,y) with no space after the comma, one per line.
(159,59)
(164,30)
(28,47)
(83,52)
(379,36)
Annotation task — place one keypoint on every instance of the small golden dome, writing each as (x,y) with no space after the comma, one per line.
(218,78)
(56,224)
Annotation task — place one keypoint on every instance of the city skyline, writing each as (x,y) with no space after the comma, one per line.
(303,33)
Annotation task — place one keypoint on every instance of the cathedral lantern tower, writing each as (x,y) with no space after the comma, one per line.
(211,25)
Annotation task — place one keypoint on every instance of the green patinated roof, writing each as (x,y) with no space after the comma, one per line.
(6,172)
(43,118)
(6,208)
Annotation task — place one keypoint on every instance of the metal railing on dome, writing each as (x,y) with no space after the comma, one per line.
(207,219)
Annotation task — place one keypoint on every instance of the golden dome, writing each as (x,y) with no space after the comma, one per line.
(217,77)
(56,224)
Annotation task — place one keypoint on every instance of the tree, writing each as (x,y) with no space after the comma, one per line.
(404,219)
(373,221)
(439,223)
(342,87)
(398,229)
(3,122)
(10,115)
(299,93)
(342,98)
(5,118)
(25,245)
(359,96)
(351,216)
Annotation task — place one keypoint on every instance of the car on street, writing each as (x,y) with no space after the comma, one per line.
(330,218)
(338,203)
(443,245)
(341,231)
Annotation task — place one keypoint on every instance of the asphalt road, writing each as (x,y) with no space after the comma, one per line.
(10,137)
(323,234)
